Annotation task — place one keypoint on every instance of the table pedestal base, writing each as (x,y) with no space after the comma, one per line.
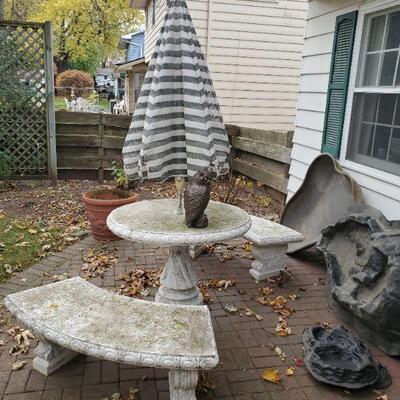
(178,281)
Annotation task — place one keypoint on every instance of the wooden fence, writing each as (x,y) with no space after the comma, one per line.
(90,142)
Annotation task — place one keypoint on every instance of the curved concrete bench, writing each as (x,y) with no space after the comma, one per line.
(74,316)
(270,244)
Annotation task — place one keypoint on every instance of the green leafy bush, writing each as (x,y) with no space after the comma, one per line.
(81,82)
(6,161)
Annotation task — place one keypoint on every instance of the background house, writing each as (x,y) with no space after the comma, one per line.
(104,78)
(349,101)
(131,72)
(253,49)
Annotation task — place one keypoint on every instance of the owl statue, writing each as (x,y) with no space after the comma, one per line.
(196,198)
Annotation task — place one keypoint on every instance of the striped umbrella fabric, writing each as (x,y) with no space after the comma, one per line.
(177,127)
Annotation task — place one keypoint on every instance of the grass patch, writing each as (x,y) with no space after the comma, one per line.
(22,244)
(59,103)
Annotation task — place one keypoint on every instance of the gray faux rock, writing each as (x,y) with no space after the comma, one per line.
(362,252)
(337,357)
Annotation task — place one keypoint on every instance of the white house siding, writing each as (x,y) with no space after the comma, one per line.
(253,49)
(312,102)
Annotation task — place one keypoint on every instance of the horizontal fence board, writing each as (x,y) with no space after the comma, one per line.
(90,141)
(267,178)
(78,140)
(77,118)
(264,149)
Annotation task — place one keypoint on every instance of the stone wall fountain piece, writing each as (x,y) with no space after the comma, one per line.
(326,194)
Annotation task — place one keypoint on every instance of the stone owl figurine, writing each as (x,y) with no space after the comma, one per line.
(196,198)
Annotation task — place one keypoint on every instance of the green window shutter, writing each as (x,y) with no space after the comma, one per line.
(338,83)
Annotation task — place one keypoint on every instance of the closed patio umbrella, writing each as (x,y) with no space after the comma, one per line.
(177,127)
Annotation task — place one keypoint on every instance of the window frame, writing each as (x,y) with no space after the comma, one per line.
(358,65)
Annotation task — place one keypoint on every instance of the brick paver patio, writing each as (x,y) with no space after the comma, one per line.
(246,345)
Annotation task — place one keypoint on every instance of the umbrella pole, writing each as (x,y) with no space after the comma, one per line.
(180,187)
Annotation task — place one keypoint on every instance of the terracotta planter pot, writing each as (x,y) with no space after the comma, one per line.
(99,204)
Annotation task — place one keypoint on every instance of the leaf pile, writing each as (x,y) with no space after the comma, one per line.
(224,251)
(283,329)
(203,289)
(97,261)
(278,304)
(248,312)
(132,395)
(22,337)
(138,281)
(220,284)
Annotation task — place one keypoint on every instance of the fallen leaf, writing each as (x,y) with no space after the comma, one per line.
(289,371)
(299,362)
(282,329)
(18,365)
(230,309)
(271,375)
(22,244)
(250,313)
(247,246)
(280,353)
(132,393)
(380,396)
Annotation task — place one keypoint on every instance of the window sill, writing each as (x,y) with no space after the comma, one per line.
(371,172)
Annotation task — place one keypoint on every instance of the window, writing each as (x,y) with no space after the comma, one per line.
(374,135)
(154,12)
(146,12)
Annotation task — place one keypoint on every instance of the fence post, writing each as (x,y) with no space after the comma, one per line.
(50,109)
(100,131)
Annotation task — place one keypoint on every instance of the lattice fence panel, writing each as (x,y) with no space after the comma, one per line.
(23,114)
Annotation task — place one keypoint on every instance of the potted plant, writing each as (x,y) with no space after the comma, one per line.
(100,203)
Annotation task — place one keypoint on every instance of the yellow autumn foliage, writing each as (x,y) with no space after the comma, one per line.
(87,31)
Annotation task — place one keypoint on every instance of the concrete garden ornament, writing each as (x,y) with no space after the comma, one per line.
(196,199)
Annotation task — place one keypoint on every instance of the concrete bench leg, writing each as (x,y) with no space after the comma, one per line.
(50,356)
(178,279)
(182,384)
(268,262)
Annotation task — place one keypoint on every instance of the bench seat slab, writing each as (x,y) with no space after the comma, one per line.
(270,244)
(81,317)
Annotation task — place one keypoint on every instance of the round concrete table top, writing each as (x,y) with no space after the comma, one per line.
(157,221)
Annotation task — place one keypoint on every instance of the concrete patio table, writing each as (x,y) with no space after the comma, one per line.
(157,221)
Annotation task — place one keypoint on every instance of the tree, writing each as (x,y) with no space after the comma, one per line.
(17,10)
(87,32)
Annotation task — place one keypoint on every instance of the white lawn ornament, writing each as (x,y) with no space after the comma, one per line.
(120,108)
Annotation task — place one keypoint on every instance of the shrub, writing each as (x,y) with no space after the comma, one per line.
(81,82)
(6,163)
